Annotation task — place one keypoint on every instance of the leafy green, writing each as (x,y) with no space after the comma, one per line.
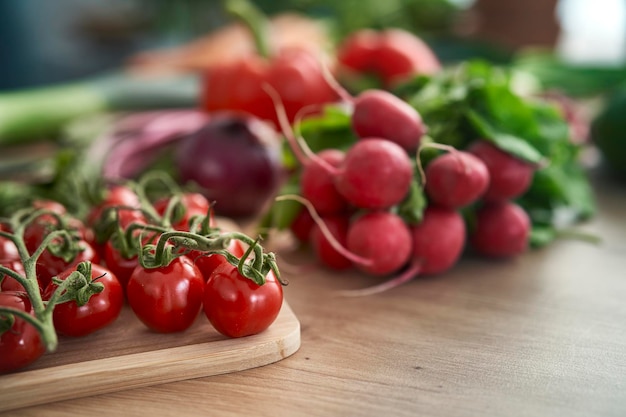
(477,100)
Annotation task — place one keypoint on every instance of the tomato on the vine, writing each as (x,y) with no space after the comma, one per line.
(168,298)
(237,306)
(101,310)
(208,262)
(10,258)
(116,196)
(49,265)
(21,344)
(195,204)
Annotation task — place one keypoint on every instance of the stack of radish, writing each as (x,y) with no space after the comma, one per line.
(351,196)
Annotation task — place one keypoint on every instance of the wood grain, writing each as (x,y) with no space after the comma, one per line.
(129,356)
(542,335)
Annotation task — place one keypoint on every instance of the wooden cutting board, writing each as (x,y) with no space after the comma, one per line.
(128,355)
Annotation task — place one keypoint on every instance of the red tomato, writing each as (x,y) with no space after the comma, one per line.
(49,265)
(166,299)
(294,73)
(101,310)
(9,283)
(117,195)
(21,345)
(236,306)
(38,229)
(51,205)
(391,54)
(195,204)
(121,267)
(208,263)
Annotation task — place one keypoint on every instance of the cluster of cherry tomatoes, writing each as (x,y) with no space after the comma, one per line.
(128,252)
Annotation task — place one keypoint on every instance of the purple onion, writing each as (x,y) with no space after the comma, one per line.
(236,160)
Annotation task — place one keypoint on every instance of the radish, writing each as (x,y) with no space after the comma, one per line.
(510,177)
(379,113)
(377,242)
(501,229)
(439,240)
(456,179)
(302,226)
(382,237)
(437,245)
(318,186)
(375,173)
(324,250)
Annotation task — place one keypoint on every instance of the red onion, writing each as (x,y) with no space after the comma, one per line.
(236,160)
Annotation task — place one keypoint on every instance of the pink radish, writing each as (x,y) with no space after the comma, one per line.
(438,243)
(302,226)
(378,113)
(501,230)
(381,114)
(318,186)
(377,242)
(456,179)
(382,237)
(324,250)
(439,240)
(509,177)
(375,173)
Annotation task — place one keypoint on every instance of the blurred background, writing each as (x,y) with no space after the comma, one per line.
(43,42)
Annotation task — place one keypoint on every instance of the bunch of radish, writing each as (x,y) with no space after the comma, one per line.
(352,195)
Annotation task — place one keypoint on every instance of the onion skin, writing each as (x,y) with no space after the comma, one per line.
(236,160)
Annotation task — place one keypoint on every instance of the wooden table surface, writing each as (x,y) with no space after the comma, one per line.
(543,335)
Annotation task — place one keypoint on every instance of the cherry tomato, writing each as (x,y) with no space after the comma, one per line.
(10,258)
(236,306)
(117,195)
(39,228)
(49,265)
(208,263)
(122,267)
(166,299)
(195,204)
(9,283)
(294,73)
(391,54)
(101,310)
(21,345)
(51,205)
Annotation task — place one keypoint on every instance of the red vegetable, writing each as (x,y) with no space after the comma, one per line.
(501,230)
(438,241)
(49,265)
(236,160)
(392,54)
(381,114)
(20,344)
(166,299)
(294,73)
(456,179)
(318,185)
(375,174)
(509,177)
(101,310)
(382,238)
(338,225)
(191,204)
(236,306)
